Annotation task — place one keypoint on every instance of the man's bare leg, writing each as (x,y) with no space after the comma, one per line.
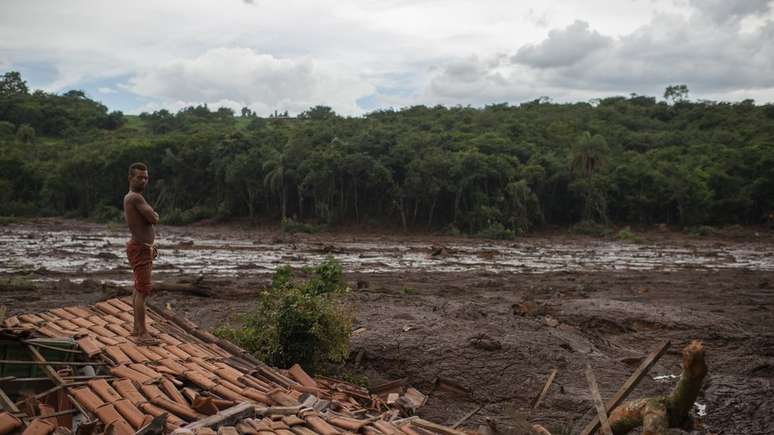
(143,335)
(135,310)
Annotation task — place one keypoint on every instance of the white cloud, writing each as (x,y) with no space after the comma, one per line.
(563,47)
(238,77)
(106,90)
(293,54)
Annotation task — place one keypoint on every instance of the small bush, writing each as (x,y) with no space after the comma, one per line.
(408,291)
(288,225)
(590,228)
(496,231)
(701,230)
(107,213)
(177,217)
(296,321)
(627,235)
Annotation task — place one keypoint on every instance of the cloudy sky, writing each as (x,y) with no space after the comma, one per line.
(360,55)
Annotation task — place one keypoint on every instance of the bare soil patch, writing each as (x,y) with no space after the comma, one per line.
(483,335)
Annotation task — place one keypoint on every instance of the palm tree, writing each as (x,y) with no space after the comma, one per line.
(276,169)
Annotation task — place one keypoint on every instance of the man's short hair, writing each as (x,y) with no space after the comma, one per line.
(138,166)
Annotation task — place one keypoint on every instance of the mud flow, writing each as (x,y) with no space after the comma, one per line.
(472,323)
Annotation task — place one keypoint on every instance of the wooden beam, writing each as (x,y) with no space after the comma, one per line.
(47,369)
(227,417)
(467,416)
(429,425)
(601,413)
(629,385)
(549,381)
(7,403)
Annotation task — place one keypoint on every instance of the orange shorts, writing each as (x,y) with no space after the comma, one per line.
(141,258)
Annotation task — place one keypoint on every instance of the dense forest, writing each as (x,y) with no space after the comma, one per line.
(502,169)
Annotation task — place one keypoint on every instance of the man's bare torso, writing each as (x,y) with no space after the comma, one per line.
(140,227)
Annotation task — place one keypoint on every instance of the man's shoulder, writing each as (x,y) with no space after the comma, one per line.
(133,197)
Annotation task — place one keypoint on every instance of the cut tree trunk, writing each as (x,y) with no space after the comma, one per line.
(657,414)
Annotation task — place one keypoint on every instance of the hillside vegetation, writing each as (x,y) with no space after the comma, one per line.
(500,170)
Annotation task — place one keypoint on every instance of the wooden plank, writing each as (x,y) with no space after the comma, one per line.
(7,403)
(50,372)
(601,413)
(467,416)
(429,425)
(629,385)
(551,377)
(227,417)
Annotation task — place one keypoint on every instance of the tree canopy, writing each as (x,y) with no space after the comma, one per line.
(503,168)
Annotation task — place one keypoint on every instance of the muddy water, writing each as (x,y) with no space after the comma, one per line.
(86,251)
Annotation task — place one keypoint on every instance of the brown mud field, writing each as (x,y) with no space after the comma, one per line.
(472,323)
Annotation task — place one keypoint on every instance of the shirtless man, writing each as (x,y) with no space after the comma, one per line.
(140,217)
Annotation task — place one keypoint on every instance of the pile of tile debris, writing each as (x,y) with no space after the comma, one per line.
(192,382)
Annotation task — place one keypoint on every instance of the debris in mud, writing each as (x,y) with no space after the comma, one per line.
(190,383)
(107,256)
(485,342)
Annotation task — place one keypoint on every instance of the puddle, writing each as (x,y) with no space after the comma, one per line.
(70,251)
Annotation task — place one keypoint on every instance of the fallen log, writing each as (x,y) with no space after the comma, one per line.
(194,288)
(657,414)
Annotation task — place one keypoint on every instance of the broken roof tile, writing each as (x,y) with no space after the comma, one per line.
(280,397)
(152,392)
(101,331)
(104,390)
(229,394)
(87,398)
(132,352)
(109,341)
(123,371)
(121,305)
(39,427)
(166,338)
(172,392)
(118,329)
(182,411)
(97,320)
(79,311)
(199,379)
(8,423)
(111,418)
(297,373)
(173,365)
(131,413)
(63,313)
(11,322)
(107,308)
(126,389)
(31,318)
(256,395)
(150,354)
(67,325)
(173,349)
(116,354)
(320,426)
(147,371)
(82,322)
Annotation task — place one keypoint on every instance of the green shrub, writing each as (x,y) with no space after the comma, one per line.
(408,290)
(496,231)
(297,321)
(701,230)
(627,235)
(289,225)
(176,216)
(590,228)
(107,213)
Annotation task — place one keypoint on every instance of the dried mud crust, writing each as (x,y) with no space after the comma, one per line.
(496,336)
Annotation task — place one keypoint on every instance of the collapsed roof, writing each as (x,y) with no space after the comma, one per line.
(97,378)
